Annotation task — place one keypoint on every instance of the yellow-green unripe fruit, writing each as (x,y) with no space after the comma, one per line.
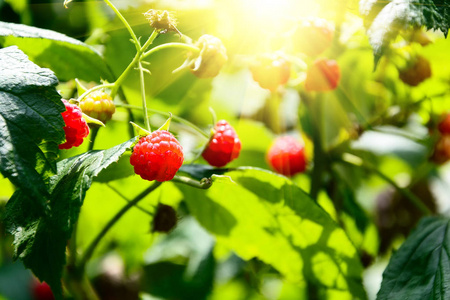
(98,105)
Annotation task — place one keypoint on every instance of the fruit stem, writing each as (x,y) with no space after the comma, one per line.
(354,160)
(124,74)
(124,21)
(128,200)
(94,132)
(150,40)
(171,45)
(90,250)
(204,184)
(174,117)
(319,159)
(130,67)
(144,102)
(95,88)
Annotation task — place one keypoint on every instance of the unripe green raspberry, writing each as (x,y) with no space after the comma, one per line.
(211,58)
(98,105)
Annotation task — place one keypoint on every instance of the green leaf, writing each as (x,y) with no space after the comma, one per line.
(67,57)
(193,279)
(199,172)
(420,269)
(385,19)
(40,239)
(262,215)
(31,125)
(119,170)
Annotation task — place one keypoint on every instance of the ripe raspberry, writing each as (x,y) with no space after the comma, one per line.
(41,290)
(323,75)
(98,105)
(165,219)
(271,70)
(313,36)
(417,72)
(224,145)
(76,128)
(157,156)
(444,125)
(287,156)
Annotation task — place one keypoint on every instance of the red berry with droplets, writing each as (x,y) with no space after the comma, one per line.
(224,145)
(157,156)
(76,128)
(287,156)
(322,76)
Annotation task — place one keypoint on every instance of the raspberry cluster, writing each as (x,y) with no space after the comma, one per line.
(157,156)
(76,128)
(224,146)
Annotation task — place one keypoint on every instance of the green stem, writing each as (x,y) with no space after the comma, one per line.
(204,184)
(398,133)
(353,160)
(130,30)
(149,41)
(90,250)
(176,118)
(171,45)
(79,286)
(137,58)
(319,160)
(96,88)
(144,102)
(128,200)
(93,137)
(124,75)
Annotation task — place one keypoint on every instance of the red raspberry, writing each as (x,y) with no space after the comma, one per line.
(323,75)
(416,72)
(287,156)
(224,145)
(157,156)
(76,128)
(444,125)
(313,36)
(271,70)
(41,290)
(98,105)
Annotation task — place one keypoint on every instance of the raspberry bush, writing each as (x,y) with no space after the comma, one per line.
(331,184)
